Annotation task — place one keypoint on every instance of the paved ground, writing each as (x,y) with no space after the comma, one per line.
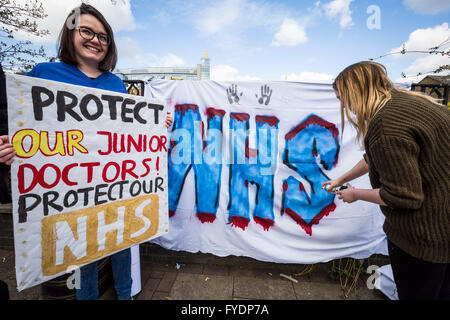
(211,280)
(219,282)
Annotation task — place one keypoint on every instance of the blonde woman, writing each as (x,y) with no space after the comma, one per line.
(407,150)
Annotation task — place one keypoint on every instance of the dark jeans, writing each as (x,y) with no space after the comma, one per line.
(121,268)
(5,191)
(417,279)
(4,292)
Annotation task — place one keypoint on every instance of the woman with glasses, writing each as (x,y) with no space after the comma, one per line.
(87,54)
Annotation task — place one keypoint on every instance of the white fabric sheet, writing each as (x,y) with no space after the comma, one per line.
(350,230)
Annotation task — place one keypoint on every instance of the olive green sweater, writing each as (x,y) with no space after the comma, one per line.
(408,152)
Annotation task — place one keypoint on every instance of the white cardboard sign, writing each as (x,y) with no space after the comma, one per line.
(90,175)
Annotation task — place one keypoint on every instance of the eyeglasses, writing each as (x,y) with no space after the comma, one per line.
(88,34)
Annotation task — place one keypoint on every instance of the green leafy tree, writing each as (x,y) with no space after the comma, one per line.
(20,54)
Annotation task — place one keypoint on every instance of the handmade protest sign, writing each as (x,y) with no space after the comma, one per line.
(90,175)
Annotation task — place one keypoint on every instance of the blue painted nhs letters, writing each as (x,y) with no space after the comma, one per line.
(192,148)
(259,172)
(317,138)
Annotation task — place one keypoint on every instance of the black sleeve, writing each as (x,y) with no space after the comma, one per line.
(3,105)
(5,192)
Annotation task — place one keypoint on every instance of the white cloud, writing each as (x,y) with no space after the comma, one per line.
(290,34)
(162,18)
(127,48)
(228,73)
(429,6)
(423,40)
(427,64)
(131,55)
(309,77)
(227,21)
(410,79)
(118,15)
(216,18)
(340,9)
(170,60)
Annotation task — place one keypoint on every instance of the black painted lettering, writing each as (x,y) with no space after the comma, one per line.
(23,208)
(156,108)
(158,183)
(112,105)
(46,201)
(39,102)
(99,194)
(84,107)
(135,191)
(72,193)
(126,110)
(110,190)
(150,186)
(64,106)
(85,191)
(138,108)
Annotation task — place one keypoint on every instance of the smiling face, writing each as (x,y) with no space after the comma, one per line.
(90,52)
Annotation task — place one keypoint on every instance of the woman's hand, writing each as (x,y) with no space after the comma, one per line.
(7,152)
(330,185)
(169,120)
(357,171)
(347,195)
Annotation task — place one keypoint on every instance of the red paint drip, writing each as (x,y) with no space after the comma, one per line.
(250,152)
(308,226)
(285,186)
(313,119)
(183,108)
(240,116)
(336,158)
(271,120)
(314,152)
(171,213)
(212,112)
(301,187)
(239,222)
(202,132)
(206,217)
(266,223)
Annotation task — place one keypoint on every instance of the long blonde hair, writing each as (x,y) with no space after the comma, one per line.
(364,88)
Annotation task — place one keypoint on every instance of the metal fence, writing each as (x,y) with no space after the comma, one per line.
(439,91)
(135,87)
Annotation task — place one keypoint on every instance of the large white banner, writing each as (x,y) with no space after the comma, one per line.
(90,175)
(246,165)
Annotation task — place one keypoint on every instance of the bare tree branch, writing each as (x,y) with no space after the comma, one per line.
(15,17)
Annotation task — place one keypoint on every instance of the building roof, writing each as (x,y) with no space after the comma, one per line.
(161,70)
(439,79)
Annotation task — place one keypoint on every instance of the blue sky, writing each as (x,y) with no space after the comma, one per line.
(270,40)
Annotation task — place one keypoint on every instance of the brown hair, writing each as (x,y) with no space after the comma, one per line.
(364,88)
(66,50)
